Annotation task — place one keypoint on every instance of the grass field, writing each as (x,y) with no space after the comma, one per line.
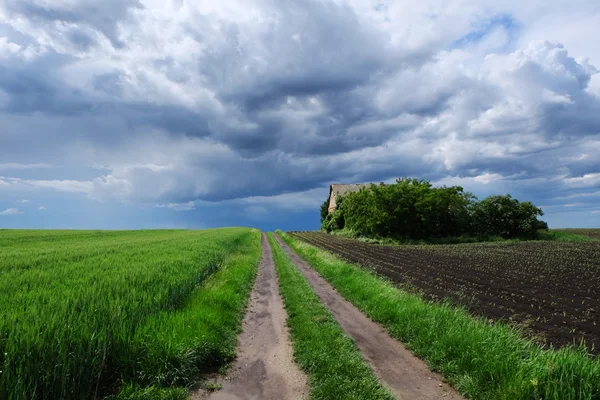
(142,315)
(483,360)
(85,313)
(585,232)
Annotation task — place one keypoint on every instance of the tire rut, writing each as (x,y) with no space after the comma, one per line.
(407,376)
(264,367)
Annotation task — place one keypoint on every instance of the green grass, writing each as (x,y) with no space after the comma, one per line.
(335,367)
(482,360)
(133,392)
(562,235)
(575,235)
(173,347)
(82,312)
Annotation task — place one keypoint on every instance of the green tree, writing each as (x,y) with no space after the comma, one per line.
(324,210)
(507,217)
(414,209)
(335,220)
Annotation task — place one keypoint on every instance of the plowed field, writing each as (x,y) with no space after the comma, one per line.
(553,288)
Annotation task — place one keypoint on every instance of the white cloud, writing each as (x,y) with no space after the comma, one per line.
(596,212)
(11,211)
(19,166)
(483,179)
(189,206)
(587,180)
(108,187)
(24,201)
(65,185)
(579,195)
(42,208)
(7,48)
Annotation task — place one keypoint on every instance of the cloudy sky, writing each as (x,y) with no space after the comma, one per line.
(173,113)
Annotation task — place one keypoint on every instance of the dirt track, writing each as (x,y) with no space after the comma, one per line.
(405,375)
(264,368)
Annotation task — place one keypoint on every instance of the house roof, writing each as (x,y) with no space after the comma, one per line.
(340,189)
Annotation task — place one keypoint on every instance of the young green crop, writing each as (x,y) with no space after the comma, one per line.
(335,367)
(174,347)
(482,360)
(72,303)
(574,235)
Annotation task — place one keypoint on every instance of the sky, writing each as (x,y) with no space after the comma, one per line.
(131,114)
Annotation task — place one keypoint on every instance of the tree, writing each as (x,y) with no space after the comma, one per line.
(324,210)
(335,220)
(507,217)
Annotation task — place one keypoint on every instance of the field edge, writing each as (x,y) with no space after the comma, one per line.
(482,360)
(176,357)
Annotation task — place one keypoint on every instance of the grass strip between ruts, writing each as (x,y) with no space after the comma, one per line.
(335,367)
(482,360)
(175,347)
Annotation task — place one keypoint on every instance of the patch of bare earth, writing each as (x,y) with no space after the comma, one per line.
(264,368)
(407,376)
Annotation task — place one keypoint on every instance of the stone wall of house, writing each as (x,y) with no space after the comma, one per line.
(332,202)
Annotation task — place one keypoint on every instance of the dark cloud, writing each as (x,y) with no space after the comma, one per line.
(81,40)
(210,102)
(306,49)
(36,90)
(578,116)
(103,16)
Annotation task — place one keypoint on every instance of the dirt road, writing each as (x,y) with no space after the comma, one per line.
(405,375)
(264,368)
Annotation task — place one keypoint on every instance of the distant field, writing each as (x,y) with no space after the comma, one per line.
(83,313)
(591,233)
(552,287)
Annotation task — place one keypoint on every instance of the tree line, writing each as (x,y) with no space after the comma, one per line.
(415,209)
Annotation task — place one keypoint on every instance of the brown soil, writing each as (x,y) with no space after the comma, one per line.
(405,375)
(551,288)
(264,368)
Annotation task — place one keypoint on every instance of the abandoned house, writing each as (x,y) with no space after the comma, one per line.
(336,190)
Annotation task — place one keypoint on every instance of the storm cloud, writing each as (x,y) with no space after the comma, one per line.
(180,105)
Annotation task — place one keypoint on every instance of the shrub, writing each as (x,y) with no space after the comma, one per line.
(506,217)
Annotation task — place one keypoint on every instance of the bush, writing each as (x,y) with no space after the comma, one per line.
(507,217)
(414,209)
(334,221)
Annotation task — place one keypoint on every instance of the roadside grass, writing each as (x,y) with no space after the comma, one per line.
(133,392)
(482,360)
(175,347)
(335,367)
(84,313)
